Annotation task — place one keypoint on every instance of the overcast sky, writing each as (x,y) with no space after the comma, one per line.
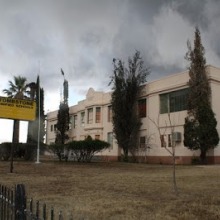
(83,36)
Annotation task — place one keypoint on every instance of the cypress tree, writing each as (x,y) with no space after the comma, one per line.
(200,131)
(63,118)
(32,135)
(126,86)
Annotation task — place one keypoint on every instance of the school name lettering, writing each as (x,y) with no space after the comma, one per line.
(16,103)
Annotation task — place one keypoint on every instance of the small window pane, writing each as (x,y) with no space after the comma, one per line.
(90,116)
(98,115)
(164,103)
(75,121)
(110,113)
(82,118)
(142,142)
(142,108)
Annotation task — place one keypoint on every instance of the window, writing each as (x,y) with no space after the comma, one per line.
(55,127)
(110,139)
(71,122)
(169,140)
(164,102)
(97,137)
(174,101)
(162,140)
(74,121)
(82,119)
(51,128)
(98,115)
(142,110)
(90,116)
(109,113)
(142,142)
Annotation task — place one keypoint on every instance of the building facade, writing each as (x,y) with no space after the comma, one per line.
(162,108)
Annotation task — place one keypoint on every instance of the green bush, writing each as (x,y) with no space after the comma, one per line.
(5,150)
(195,161)
(25,151)
(58,149)
(85,150)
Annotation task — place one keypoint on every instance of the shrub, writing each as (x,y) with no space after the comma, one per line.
(58,149)
(85,150)
(5,150)
(27,151)
(21,150)
(195,161)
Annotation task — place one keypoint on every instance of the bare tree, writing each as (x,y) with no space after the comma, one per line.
(144,149)
(172,149)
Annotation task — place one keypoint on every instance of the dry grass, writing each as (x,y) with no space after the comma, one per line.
(120,190)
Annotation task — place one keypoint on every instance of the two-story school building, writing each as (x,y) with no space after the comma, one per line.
(162,105)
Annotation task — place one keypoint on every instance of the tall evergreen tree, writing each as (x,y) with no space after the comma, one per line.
(126,86)
(63,118)
(200,131)
(32,136)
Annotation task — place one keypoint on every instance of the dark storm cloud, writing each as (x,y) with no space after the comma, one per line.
(83,37)
(145,10)
(193,11)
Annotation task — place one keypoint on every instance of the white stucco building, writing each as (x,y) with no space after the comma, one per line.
(158,99)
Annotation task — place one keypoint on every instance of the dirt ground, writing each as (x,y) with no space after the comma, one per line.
(119,190)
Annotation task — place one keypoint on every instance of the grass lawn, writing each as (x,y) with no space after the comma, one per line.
(120,190)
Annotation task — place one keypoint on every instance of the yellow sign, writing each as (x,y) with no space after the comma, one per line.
(17,109)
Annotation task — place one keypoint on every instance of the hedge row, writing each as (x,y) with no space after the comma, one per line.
(26,151)
(82,150)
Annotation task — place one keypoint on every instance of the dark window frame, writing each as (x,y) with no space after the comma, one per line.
(174,101)
(142,108)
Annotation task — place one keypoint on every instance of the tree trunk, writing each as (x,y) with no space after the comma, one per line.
(203,157)
(125,159)
(15,138)
(174,175)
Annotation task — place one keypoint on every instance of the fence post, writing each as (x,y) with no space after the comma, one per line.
(37,209)
(44,212)
(12,203)
(8,203)
(31,206)
(52,214)
(1,201)
(5,199)
(20,202)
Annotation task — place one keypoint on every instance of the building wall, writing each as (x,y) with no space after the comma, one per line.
(214,74)
(150,124)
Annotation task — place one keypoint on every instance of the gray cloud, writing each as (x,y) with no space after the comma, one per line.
(83,36)
(194,11)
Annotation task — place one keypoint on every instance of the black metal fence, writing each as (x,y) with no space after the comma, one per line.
(15,206)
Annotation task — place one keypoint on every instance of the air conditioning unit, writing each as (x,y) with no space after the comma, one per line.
(176,136)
